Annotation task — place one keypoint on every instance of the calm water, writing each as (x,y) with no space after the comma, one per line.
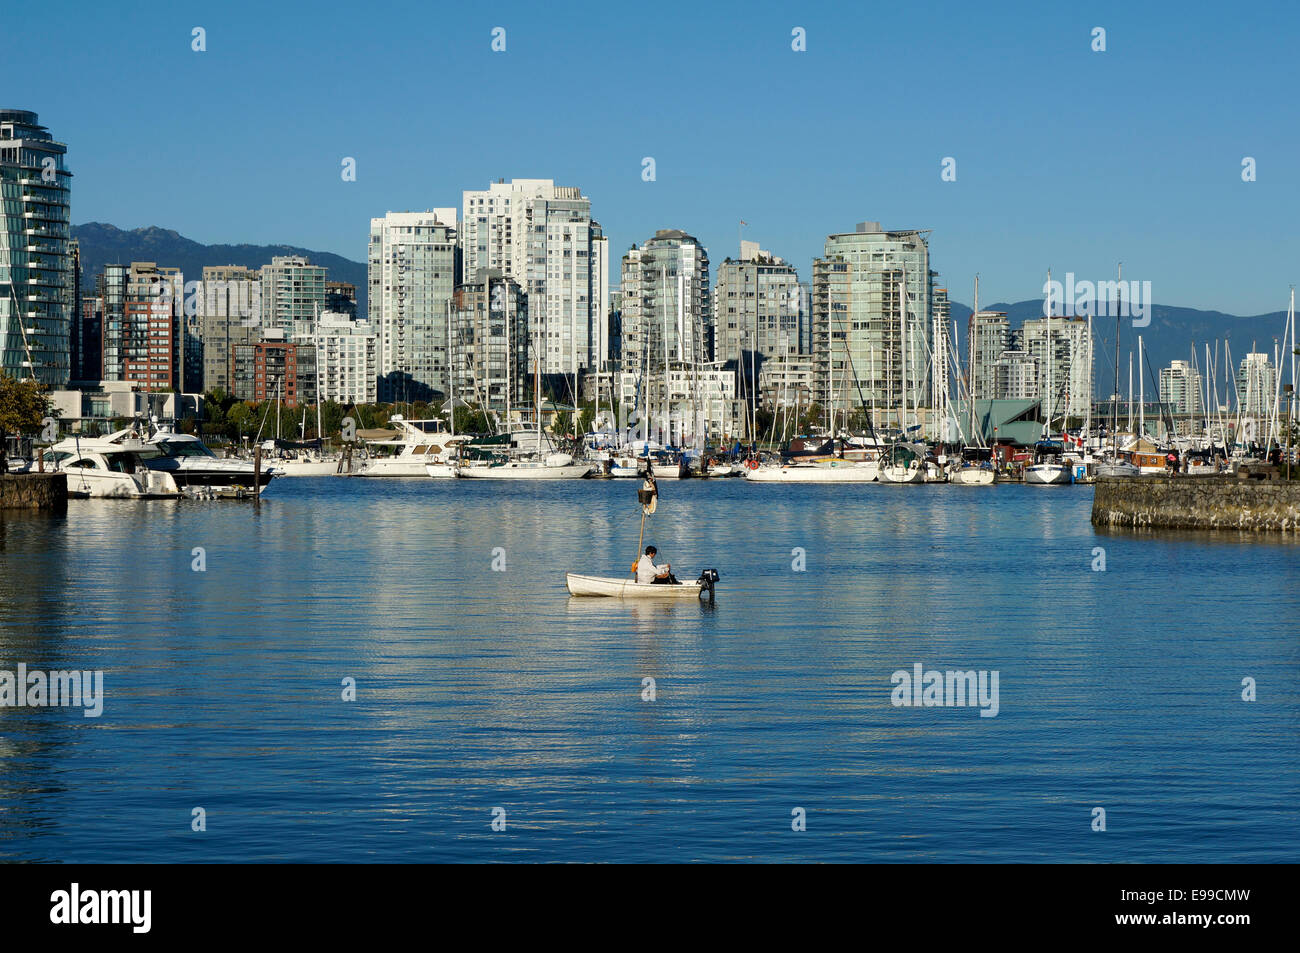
(479,689)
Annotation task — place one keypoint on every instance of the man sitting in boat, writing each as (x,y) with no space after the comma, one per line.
(648,572)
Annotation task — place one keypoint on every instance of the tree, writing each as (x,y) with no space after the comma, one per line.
(22,408)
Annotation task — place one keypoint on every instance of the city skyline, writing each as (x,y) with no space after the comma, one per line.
(1024,198)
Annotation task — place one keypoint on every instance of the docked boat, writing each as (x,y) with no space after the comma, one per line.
(975,468)
(112,467)
(580,585)
(902,463)
(417,444)
(199,472)
(839,471)
(1048,468)
(554,466)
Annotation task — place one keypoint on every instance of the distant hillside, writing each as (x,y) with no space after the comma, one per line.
(103,244)
(1168,337)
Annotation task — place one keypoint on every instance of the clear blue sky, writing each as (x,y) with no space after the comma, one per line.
(1066,158)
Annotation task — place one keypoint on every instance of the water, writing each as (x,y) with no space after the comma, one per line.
(478,689)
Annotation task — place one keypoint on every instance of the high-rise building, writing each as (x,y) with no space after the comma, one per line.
(413,270)
(871,342)
(92,340)
(229,312)
(293,293)
(37,283)
(346,358)
(1014,374)
(1070,371)
(758,306)
(110,289)
(151,344)
(1180,389)
(940,342)
(491,348)
(1256,385)
(542,235)
(275,368)
(667,310)
(988,339)
(341,297)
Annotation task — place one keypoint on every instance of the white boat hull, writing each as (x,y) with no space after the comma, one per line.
(304,468)
(1047,474)
(628,588)
(525,471)
(392,468)
(972,476)
(811,473)
(440,471)
(897,474)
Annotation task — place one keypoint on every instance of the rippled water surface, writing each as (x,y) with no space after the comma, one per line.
(478,689)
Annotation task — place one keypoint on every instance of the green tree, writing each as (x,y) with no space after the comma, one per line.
(22,408)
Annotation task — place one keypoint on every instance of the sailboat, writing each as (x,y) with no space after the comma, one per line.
(529,464)
(1048,468)
(1114,465)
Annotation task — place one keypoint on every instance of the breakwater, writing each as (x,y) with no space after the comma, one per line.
(1230,502)
(34,491)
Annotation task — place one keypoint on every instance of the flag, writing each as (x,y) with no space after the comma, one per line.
(743,222)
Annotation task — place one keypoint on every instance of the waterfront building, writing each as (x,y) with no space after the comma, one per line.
(940,342)
(704,405)
(292,294)
(866,346)
(413,268)
(786,381)
(988,333)
(667,312)
(37,280)
(758,306)
(346,358)
(1071,354)
(491,348)
(92,340)
(542,236)
(229,313)
(1180,389)
(149,331)
(1014,374)
(275,368)
(1256,385)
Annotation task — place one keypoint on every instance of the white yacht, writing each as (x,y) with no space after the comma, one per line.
(198,471)
(109,467)
(418,444)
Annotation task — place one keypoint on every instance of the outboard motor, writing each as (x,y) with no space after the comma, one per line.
(707,578)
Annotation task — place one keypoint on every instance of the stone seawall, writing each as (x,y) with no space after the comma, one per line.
(34,491)
(1198,503)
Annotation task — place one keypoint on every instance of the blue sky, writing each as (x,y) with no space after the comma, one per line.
(1066,158)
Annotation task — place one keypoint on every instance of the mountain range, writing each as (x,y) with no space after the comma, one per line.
(103,244)
(1171,335)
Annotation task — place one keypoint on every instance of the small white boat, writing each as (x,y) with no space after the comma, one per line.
(556,466)
(864,471)
(580,585)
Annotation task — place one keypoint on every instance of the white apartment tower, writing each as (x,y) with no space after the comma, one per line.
(543,237)
(412,272)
